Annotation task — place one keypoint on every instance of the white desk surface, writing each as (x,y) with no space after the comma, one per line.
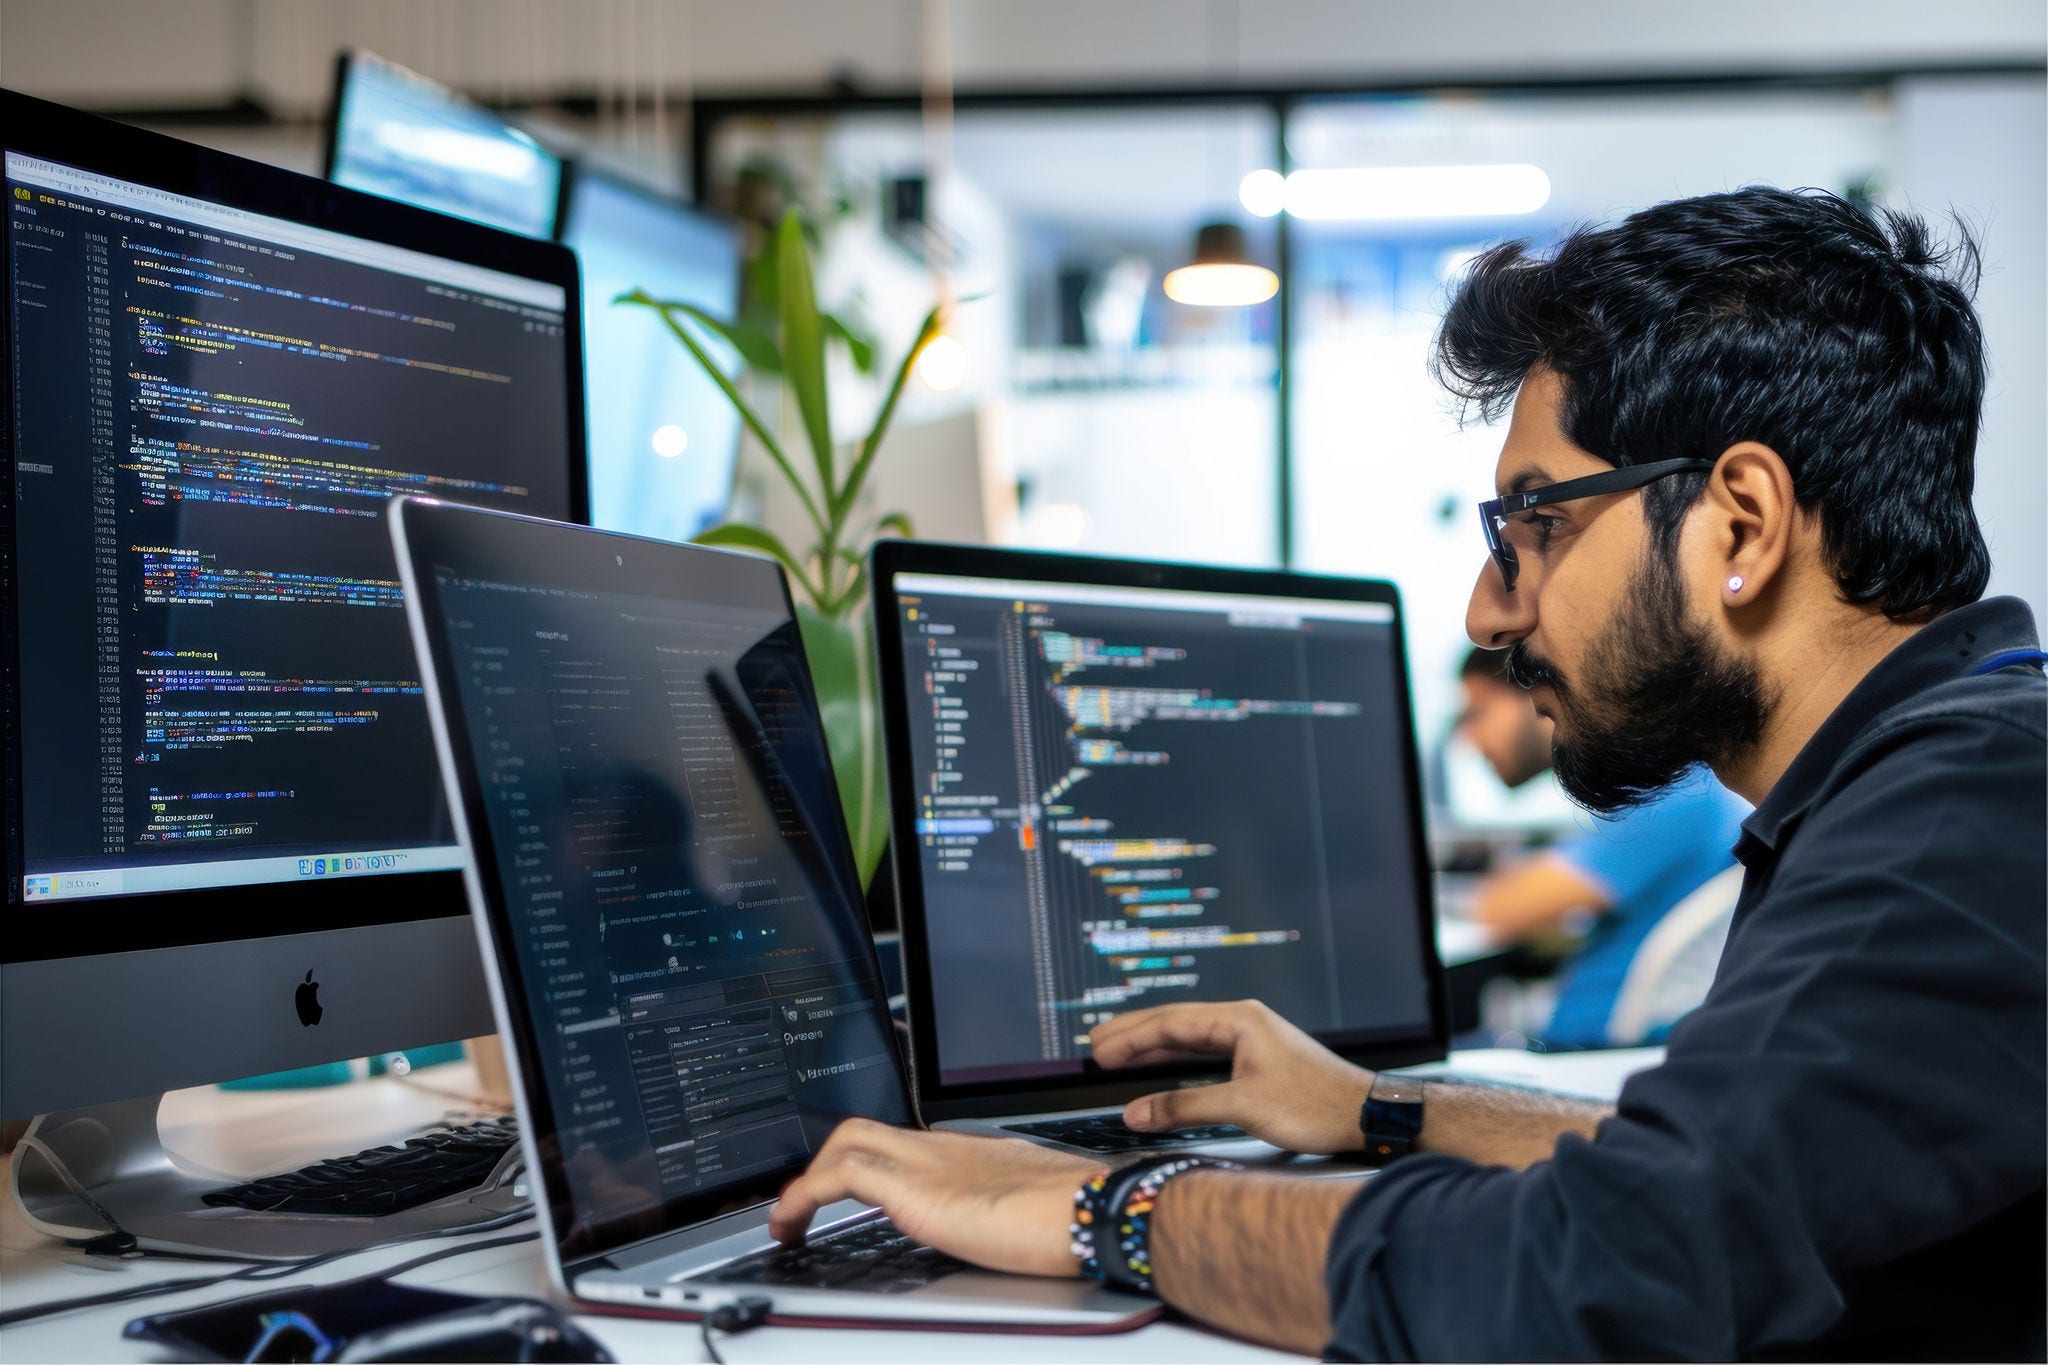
(1459,941)
(245,1133)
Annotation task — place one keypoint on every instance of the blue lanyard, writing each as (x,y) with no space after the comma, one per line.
(2010,658)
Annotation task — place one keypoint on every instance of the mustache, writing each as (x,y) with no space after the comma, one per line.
(1527,669)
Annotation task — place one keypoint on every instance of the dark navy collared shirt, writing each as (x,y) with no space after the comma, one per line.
(1842,1154)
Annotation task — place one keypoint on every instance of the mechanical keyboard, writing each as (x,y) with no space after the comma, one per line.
(1107,1133)
(873,1258)
(386,1179)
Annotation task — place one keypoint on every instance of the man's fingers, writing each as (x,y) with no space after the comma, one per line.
(1158,1056)
(854,1163)
(1138,1037)
(1183,1108)
(800,1202)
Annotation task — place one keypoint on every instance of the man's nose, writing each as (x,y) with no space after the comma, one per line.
(1495,618)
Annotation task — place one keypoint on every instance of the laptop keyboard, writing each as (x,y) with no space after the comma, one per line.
(873,1258)
(1107,1133)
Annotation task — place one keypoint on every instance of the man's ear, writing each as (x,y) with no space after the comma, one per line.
(1755,516)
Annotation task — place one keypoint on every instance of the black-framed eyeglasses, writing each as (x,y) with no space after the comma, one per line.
(1498,516)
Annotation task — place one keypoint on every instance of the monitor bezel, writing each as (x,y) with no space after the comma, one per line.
(510,547)
(225,914)
(1095,1087)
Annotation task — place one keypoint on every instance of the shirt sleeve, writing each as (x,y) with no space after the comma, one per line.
(1628,857)
(1864,1082)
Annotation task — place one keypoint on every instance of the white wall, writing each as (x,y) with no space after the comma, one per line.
(1982,147)
(142,53)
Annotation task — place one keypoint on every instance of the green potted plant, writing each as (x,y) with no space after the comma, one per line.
(829,575)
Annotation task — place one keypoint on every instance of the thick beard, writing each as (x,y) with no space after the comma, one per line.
(1656,697)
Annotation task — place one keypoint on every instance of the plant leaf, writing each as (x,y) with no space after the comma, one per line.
(761,275)
(838,651)
(843,501)
(756,347)
(747,415)
(858,347)
(899,522)
(803,348)
(740,536)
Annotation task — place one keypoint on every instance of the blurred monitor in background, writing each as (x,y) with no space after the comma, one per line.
(400,135)
(663,439)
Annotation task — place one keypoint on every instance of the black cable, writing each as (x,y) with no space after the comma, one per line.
(732,1319)
(284,1269)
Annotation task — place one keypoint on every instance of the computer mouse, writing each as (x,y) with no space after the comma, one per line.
(490,1330)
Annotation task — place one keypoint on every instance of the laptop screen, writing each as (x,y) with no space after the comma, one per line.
(1128,796)
(674,906)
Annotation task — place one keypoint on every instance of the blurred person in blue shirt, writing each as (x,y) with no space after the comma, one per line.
(1626,873)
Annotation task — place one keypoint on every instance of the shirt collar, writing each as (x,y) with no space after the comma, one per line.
(1949,647)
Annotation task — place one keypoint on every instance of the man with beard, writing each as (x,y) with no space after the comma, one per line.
(1734,528)
(1623,875)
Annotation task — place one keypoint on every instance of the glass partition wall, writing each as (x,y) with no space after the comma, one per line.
(1083,408)
(1305,430)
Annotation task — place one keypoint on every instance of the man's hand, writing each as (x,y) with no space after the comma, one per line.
(1284,1086)
(1001,1203)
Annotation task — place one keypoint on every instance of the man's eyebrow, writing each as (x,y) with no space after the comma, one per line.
(1522,482)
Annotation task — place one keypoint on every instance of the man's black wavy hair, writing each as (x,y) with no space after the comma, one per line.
(1843,339)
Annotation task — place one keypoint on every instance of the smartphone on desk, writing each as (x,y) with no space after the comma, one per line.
(364,1320)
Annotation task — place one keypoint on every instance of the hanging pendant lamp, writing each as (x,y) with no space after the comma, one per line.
(1222,274)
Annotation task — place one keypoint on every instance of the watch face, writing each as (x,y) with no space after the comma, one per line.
(1394,1090)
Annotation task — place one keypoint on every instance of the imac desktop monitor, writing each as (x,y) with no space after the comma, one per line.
(1115,785)
(227,850)
(663,439)
(402,136)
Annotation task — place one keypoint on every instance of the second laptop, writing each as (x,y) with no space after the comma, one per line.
(1118,784)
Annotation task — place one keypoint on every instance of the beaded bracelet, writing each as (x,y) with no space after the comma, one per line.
(1086,1200)
(1117,1206)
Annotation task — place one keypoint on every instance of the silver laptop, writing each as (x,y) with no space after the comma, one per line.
(670,922)
(1117,784)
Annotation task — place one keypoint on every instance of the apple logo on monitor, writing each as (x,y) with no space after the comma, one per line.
(308,1001)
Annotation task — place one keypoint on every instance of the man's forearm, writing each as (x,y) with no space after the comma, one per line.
(1500,1125)
(1246,1253)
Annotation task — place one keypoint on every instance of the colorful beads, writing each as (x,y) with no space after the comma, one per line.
(1125,1200)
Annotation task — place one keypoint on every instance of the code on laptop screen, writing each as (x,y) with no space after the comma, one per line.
(1130,797)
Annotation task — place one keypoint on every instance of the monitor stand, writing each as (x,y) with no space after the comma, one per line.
(114,1152)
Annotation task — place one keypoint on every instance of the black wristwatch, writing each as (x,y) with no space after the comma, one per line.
(1391,1118)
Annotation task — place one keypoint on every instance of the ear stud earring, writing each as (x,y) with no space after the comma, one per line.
(1735,583)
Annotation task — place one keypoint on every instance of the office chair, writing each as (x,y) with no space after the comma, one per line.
(1675,965)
